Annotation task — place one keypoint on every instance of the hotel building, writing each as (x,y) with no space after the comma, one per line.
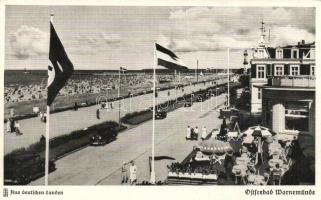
(283,86)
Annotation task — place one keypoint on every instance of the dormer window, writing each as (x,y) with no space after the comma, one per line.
(294,53)
(260,53)
(279,53)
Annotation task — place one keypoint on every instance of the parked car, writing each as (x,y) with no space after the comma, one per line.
(103,137)
(200,98)
(228,113)
(21,169)
(160,114)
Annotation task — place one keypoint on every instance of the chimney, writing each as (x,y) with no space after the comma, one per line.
(299,43)
(303,42)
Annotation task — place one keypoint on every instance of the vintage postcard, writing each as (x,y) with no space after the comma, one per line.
(160,94)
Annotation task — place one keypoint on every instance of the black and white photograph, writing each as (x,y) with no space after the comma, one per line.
(123,95)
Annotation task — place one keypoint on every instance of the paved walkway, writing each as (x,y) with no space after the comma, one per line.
(65,122)
(101,165)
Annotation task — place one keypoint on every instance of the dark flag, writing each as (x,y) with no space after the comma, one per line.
(60,67)
(156,158)
(169,59)
(123,70)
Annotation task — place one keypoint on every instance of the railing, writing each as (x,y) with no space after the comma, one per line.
(292,81)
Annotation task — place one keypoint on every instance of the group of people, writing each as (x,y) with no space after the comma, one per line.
(177,167)
(13,126)
(132,173)
(274,157)
(87,84)
(193,133)
(43,117)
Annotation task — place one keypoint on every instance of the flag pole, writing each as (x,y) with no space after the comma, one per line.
(197,71)
(47,145)
(118,97)
(228,78)
(152,173)
(47,130)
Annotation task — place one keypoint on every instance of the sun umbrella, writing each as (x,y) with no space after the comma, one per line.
(259,131)
(214,146)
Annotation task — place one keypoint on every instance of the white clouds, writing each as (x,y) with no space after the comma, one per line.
(290,35)
(28,41)
(110,38)
(209,43)
(106,35)
(92,43)
(210,29)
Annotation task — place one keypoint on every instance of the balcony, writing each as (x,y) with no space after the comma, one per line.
(292,81)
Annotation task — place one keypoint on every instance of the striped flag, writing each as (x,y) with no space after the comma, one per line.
(60,67)
(169,59)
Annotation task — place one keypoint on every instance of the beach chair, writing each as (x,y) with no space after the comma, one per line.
(277,177)
(238,176)
(266,178)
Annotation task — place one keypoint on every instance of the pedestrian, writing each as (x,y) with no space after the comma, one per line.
(188,133)
(204,133)
(42,139)
(12,129)
(196,132)
(17,127)
(259,152)
(111,105)
(98,113)
(76,106)
(45,117)
(9,126)
(124,177)
(168,93)
(133,173)
(192,133)
(41,116)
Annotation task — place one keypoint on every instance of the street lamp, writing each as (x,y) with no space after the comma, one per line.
(121,69)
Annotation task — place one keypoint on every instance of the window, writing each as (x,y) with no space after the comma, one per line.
(297,115)
(279,54)
(278,70)
(259,93)
(260,71)
(260,53)
(312,71)
(295,53)
(295,70)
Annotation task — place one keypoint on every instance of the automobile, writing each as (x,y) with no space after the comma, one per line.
(103,137)
(200,98)
(21,169)
(228,113)
(160,114)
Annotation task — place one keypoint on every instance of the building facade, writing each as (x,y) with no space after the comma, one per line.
(283,88)
(291,61)
(289,106)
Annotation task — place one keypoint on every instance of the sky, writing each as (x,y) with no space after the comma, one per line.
(109,37)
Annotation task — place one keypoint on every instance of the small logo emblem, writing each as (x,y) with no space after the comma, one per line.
(5,192)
